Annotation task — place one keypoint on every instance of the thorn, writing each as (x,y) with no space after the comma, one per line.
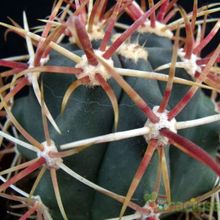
(139,174)
(73,86)
(84,40)
(111,22)
(165,174)
(34,166)
(57,192)
(104,191)
(191,149)
(107,138)
(125,35)
(207,39)
(189,34)
(25,134)
(37,93)
(169,86)
(108,90)
(197,122)
(28,214)
(18,167)
(141,104)
(191,92)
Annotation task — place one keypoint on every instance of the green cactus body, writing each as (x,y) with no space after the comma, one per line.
(113,165)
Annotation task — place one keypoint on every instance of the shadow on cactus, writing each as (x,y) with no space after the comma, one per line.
(102,125)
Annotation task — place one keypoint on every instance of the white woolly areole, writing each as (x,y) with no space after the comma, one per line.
(156,127)
(189,65)
(91,70)
(159,29)
(31,65)
(30,75)
(44,60)
(52,162)
(96,34)
(132,51)
(151,214)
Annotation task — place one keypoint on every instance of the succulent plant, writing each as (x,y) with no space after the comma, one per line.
(114,120)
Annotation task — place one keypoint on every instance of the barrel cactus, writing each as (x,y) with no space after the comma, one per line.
(116,118)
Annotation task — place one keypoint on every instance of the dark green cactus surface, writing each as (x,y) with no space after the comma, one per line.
(112,165)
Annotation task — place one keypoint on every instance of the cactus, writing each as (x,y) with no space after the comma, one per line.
(113,120)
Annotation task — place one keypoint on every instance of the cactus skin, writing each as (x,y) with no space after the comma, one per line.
(89,113)
(183,170)
(91,109)
(113,165)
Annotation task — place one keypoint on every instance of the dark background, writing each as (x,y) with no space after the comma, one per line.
(13,9)
(40,9)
